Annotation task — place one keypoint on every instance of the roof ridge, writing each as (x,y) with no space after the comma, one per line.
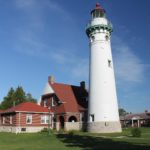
(64,84)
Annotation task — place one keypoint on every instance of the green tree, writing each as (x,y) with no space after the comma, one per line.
(29,98)
(122,112)
(15,97)
(19,95)
(8,100)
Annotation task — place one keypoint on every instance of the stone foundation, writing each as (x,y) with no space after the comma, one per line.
(20,129)
(72,126)
(104,127)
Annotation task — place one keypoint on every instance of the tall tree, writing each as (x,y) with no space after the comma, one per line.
(122,112)
(15,97)
(29,98)
(8,100)
(19,95)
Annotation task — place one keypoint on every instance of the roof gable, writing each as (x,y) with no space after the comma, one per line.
(70,96)
(48,89)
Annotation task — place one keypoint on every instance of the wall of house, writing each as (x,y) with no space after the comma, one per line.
(10,119)
(36,119)
(68,124)
(19,124)
(22,129)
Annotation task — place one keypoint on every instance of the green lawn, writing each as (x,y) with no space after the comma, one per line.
(76,141)
(38,141)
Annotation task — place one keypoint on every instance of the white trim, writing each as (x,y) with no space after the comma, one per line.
(45,118)
(53,102)
(3,122)
(10,119)
(26,112)
(32,112)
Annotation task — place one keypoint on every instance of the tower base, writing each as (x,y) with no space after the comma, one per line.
(104,127)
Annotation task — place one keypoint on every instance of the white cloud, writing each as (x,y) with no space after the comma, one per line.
(81,69)
(128,66)
(23,4)
(38,6)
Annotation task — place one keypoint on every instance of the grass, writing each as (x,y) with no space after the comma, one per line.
(75,141)
(37,141)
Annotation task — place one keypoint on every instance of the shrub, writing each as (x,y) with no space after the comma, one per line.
(44,130)
(136,132)
(71,133)
(61,131)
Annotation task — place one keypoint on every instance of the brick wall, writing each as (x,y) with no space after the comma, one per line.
(19,119)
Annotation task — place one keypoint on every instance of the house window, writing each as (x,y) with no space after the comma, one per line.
(109,63)
(10,119)
(3,120)
(29,119)
(23,129)
(44,119)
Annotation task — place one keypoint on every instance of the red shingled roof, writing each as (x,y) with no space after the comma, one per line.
(27,107)
(1,111)
(70,96)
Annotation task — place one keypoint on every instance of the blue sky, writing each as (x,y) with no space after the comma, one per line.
(39,38)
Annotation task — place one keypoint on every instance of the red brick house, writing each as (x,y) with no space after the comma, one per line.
(68,104)
(25,117)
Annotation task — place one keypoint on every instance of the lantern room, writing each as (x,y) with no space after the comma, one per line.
(98,12)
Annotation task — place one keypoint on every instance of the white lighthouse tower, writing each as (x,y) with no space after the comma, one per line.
(103,114)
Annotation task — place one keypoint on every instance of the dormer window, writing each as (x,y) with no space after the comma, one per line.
(53,102)
(45,103)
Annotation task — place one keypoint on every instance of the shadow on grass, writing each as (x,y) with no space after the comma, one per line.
(97,143)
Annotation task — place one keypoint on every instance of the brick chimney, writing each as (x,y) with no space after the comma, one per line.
(51,79)
(82,84)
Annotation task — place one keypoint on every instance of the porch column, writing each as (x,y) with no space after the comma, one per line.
(132,123)
(138,123)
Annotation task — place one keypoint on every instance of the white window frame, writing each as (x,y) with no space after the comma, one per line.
(45,103)
(10,119)
(45,119)
(29,116)
(3,120)
(53,102)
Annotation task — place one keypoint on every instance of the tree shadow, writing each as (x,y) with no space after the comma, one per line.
(98,143)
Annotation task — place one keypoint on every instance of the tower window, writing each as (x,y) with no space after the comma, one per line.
(107,37)
(92,38)
(109,63)
(92,117)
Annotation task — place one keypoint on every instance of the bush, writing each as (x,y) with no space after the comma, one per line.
(61,131)
(136,132)
(44,130)
(71,133)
